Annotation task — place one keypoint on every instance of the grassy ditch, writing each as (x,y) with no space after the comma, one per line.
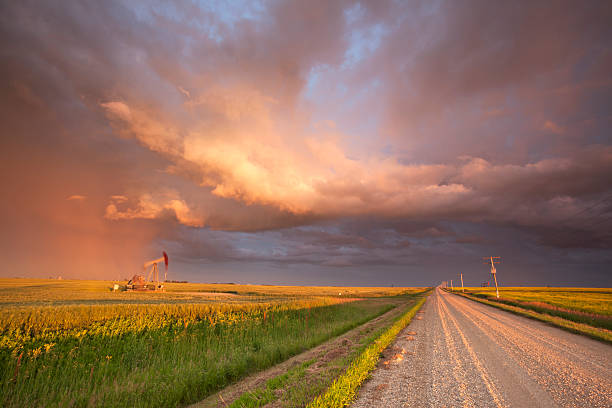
(587,301)
(265,395)
(343,390)
(591,306)
(314,371)
(549,316)
(299,386)
(590,319)
(169,364)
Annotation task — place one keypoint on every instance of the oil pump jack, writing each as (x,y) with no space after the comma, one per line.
(139,282)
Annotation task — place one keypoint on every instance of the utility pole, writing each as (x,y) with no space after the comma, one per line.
(452,289)
(461,273)
(494,260)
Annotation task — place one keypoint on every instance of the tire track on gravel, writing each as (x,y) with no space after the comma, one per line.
(468,354)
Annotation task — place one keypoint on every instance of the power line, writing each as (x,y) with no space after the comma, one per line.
(593,205)
(494,260)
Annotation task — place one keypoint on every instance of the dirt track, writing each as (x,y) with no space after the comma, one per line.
(465,354)
(336,347)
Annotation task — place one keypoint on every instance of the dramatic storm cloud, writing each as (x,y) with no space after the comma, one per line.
(308,142)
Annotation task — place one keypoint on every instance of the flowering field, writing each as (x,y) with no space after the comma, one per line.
(591,306)
(92,347)
(587,300)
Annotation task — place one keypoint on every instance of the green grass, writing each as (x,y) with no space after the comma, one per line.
(297,388)
(168,366)
(588,300)
(265,395)
(304,394)
(342,392)
(597,333)
(77,343)
(299,391)
(588,306)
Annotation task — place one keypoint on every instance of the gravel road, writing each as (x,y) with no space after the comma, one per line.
(459,353)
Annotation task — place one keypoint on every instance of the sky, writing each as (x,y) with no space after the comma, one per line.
(370,143)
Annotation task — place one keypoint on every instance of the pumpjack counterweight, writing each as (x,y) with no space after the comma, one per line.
(144,282)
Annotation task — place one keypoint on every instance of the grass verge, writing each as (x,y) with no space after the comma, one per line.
(596,333)
(300,384)
(342,391)
(171,365)
(266,394)
(588,302)
(591,306)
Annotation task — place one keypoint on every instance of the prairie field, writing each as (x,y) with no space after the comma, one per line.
(77,343)
(592,306)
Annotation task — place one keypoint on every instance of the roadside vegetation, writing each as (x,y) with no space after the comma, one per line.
(159,354)
(311,382)
(586,311)
(342,392)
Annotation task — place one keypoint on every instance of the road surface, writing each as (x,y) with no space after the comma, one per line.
(460,353)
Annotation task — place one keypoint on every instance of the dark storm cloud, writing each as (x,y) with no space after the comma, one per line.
(331,134)
(461,64)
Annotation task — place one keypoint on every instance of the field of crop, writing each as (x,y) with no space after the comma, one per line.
(592,306)
(76,343)
(38,292)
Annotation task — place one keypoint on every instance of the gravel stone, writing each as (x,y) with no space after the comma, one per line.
(459,353)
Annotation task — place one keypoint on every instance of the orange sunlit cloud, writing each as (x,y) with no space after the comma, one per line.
(76,197)
(300,139)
